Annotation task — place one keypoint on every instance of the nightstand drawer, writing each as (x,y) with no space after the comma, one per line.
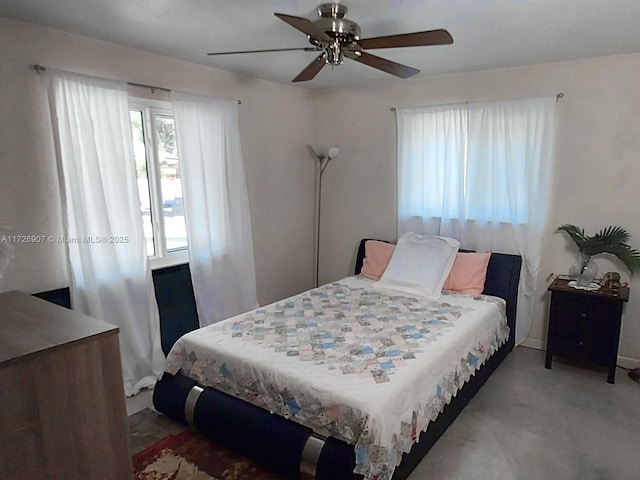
(584,327)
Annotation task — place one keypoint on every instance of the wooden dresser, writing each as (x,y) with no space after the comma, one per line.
(62,405)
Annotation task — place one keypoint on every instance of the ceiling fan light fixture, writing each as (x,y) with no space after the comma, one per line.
(334,54)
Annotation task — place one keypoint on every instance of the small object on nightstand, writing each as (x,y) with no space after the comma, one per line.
(591,286)
(584,325)
(611,280)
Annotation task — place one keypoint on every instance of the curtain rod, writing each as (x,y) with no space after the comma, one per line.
(40,68)
(559,96)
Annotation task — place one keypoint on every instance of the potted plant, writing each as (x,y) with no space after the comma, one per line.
(612,239)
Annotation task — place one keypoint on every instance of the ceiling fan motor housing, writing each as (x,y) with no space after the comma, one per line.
(345,32)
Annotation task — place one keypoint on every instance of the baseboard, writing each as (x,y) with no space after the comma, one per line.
(533,343)
(624,362)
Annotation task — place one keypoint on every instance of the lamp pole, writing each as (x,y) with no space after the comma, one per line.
(323,160)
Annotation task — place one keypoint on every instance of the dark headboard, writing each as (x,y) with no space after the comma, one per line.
(503,275)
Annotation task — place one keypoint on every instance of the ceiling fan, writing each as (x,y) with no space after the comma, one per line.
(337,37)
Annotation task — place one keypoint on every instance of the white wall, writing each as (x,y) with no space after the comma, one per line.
(275,123)
(596,179)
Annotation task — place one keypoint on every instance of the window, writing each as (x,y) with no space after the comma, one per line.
(478,162)
(159,182)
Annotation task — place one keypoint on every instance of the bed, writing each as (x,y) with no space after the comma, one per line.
(266,413)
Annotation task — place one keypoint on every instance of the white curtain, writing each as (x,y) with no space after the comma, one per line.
(111,279)
(216,206)
(480,173)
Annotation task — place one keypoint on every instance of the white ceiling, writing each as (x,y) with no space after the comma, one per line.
(487,33)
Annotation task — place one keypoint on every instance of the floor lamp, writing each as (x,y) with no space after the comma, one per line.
(323,157)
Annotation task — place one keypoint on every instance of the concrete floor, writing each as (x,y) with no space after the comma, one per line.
(531,423)
(142,400)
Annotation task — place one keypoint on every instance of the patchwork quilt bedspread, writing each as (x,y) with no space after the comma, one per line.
(370,367)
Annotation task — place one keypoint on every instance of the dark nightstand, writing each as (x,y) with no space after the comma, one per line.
(585,325)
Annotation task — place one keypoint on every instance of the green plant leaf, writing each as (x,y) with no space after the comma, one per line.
(576,234)
(612,239)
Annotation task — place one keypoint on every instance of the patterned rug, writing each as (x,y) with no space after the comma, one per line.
(163,450)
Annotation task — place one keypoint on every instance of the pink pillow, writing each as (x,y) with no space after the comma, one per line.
(468,273)
(376,257)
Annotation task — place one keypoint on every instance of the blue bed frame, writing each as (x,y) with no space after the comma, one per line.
(293,450)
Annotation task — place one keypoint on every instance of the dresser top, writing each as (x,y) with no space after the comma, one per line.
(562,285)
(29,325)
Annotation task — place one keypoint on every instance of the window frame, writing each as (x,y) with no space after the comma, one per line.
(149,108)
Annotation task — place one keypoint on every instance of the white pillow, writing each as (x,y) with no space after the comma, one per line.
(420,265)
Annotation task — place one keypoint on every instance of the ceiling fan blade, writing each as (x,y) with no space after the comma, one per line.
(312,69)
(305,26)
(306,49)
(417,39)
(383,64)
